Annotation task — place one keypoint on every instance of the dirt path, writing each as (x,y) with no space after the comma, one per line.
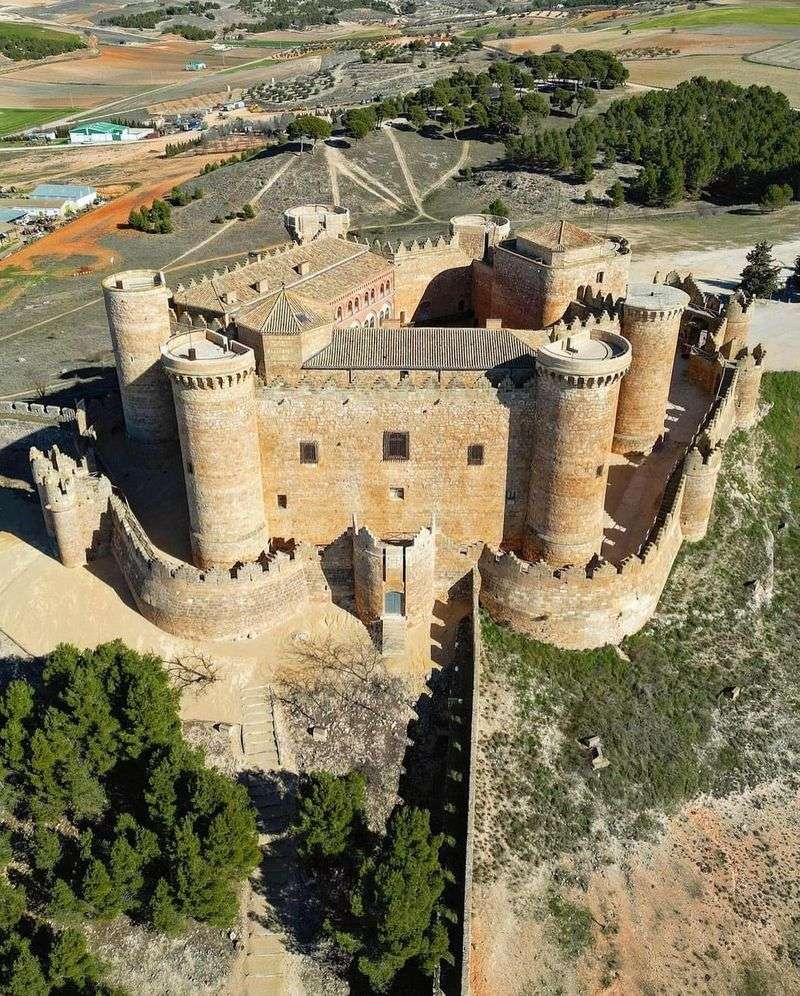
(333,176)
(363,179)
(462,162)
(412,187)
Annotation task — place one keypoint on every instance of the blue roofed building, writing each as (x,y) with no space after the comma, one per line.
(77,196)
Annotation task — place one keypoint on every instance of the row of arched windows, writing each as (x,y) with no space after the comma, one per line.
(355,304)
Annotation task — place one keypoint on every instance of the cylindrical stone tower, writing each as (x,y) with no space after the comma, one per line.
(577,388)
(213,382)
(702,470)
(651,320)
(739,315)
(750,366)
(479,232)
(137,305)
(368,576)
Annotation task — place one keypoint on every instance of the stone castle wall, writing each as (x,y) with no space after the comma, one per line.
(318,501)
(215,604)
(529,295)
(432,279)
(583,607)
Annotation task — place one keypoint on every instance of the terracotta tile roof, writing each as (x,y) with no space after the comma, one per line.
(334,266)
(421,349)
(561,235)
(284,313)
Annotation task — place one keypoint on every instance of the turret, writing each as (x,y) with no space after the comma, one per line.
(307,221)
(701,470)
(479,232)
(750,367)
(651,320)
(577,388)
(213,383)
(739,316)
(137,305)
(74,505)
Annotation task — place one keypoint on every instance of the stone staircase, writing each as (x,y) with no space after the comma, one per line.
(265,959)
(393,636)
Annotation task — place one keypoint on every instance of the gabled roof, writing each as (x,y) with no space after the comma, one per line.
(561,235)
(284,313)
(67,190)
(422,348)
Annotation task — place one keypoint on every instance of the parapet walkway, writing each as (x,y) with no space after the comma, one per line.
(266,956)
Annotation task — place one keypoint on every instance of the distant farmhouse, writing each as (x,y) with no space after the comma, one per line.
(101,132)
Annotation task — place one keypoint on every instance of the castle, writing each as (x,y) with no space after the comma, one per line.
(369,424)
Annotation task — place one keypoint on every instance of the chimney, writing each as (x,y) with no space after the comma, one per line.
(302,268)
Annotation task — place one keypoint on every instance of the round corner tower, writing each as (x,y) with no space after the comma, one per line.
(577,388)
(701,471)
(213,383)
(137,305)
(651,320)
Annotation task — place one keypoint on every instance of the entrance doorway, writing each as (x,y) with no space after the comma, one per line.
(393,603)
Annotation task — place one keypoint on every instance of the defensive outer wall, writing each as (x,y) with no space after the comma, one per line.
(574,607)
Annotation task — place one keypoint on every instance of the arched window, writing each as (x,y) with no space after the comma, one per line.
(372,295)
(338,314)
(349,307)
(381,288)
(358,305)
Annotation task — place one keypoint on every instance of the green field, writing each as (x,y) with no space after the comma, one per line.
(16,119)
(247,66)
(766,16)
(29,41)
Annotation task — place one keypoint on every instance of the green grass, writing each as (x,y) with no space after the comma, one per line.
(29,41)
(245,67)
(666,730)
(17,119)
(774,17)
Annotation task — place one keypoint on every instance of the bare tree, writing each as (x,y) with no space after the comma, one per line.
(195,670)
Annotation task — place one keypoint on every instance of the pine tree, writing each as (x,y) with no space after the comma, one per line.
(12,904)
(330,809)
(64,905)
(24,976)
(760,277)
(70,962)
(396,903)
(46,849)
(163,911)
(616,194)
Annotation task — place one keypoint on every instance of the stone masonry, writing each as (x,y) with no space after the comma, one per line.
(333,449)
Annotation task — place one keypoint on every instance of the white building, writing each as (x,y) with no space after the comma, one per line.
(76,197)
(101,132)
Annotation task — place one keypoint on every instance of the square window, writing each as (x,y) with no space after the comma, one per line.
(475,455)
(281,501)
(511,495)
(397,494)
(600,276)
(308,453)
(395,446)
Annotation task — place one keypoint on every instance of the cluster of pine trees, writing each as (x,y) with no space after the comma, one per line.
(382,893)
(105,810)
(703,137)
(501,100)
(156,219)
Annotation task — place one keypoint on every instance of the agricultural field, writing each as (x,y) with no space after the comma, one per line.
(19,42)
(16,119)
(675,868)
(747,15)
